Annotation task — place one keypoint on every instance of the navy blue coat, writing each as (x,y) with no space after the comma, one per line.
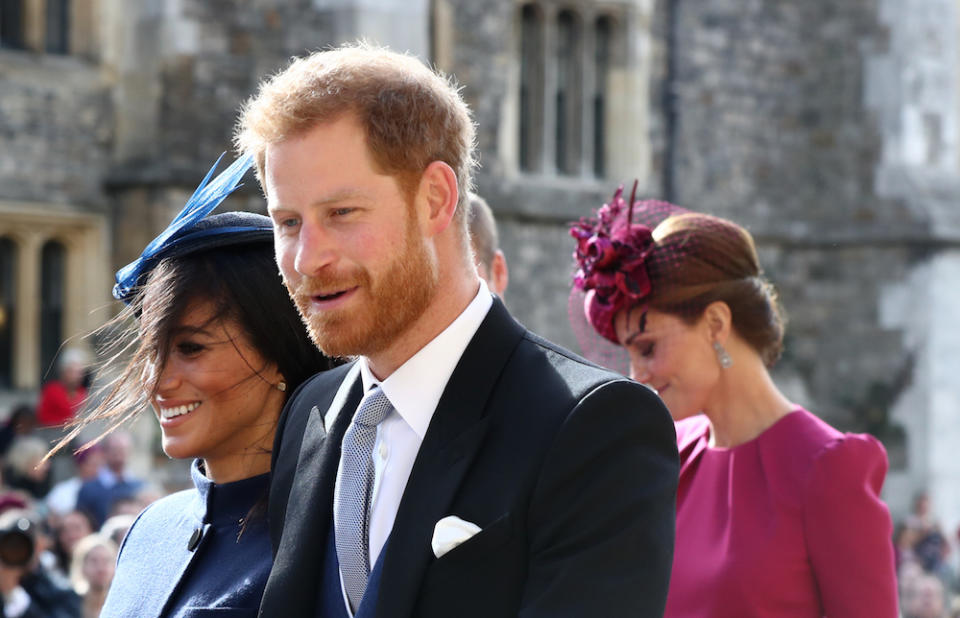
(185,556)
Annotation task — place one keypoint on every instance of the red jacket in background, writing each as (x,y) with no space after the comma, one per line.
(56,406)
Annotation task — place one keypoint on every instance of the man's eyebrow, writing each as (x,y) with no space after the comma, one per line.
(339,196)
(333,198)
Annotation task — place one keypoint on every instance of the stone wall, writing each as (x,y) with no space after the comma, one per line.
(771,118)
(55,130)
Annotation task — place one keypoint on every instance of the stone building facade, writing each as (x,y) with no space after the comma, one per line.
(828,129)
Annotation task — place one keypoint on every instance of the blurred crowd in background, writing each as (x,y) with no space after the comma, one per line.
(62,518)
(926,565)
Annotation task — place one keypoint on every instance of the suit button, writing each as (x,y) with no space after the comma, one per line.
(195,539)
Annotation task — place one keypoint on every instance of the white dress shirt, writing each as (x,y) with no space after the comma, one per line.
(414,390)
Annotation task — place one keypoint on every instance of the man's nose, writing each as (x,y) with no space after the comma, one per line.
(314,250)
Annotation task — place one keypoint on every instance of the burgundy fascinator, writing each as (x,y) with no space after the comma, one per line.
(613,252)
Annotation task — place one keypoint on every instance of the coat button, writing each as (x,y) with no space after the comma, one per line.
(195,539)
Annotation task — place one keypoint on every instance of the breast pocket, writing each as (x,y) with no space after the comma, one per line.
(492,537)
(481,577)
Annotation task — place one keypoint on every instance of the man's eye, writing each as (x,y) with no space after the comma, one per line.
(342,212)
(289,222)
(646,349)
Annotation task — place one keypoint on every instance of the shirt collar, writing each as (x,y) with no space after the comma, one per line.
(414,389)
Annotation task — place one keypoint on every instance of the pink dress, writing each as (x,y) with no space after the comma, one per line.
(788,524)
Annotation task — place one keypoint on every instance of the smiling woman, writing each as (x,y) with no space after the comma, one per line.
(216,349)
(216,396)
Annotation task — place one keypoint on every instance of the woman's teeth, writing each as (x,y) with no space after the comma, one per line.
(179,410)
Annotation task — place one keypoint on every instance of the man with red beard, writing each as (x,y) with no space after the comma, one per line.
(460,466)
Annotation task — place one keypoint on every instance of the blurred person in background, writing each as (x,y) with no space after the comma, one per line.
(62,397)
(778,513)
(131,506)
(922,540)
(91,571)
(904,540)
(112,482)
(921,519)
(216,349)
(145,496)
(28,588)
(25,468)
(67,532)
(485,242)
(117,526)
(62,497)
(923,597)
(21,422)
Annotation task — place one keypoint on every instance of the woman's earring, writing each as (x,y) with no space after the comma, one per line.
(722,355)
(282,386)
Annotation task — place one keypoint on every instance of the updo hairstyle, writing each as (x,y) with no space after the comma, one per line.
(699,259)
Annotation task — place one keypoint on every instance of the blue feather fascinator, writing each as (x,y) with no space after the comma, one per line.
(192,230)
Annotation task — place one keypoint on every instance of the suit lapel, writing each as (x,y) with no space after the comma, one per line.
(455,434)
(295,575)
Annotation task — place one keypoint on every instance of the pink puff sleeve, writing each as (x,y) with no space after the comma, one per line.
(849,531)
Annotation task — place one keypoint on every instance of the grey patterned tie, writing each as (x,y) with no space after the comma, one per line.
(352,502)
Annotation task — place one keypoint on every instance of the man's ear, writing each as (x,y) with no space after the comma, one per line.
(499,275)
(437,197)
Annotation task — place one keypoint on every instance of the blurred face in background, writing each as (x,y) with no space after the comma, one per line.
(90,462)
(72,375)
(73,527)
(116,449)
(98,567)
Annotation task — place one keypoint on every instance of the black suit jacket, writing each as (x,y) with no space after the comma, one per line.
(570,470)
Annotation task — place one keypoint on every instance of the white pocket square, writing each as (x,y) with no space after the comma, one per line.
(450,532)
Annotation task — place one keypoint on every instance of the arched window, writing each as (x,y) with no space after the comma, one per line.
(8,304)
(58,26)
(53,262)
(531,88)
(12,24)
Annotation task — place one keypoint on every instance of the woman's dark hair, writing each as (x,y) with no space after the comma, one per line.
(700,259)
(243,284)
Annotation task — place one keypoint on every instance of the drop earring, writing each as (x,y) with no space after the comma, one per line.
(722,355)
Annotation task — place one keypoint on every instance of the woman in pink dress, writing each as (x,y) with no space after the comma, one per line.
(778,513)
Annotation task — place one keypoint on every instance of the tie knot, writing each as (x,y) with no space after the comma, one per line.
(373,409)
